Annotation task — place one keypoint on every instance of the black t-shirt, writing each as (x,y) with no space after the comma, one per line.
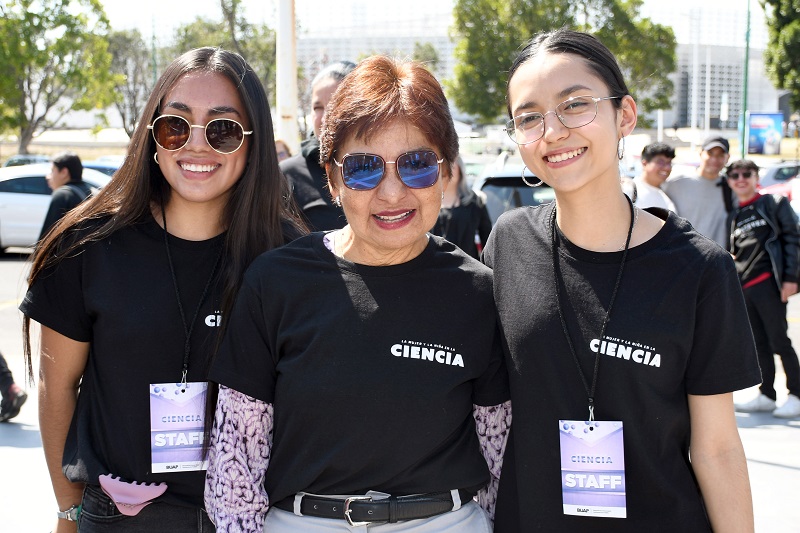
(118,294)
(372,371)
(63,200)
(309,186)
(678,326)
(460,224)
(750,234)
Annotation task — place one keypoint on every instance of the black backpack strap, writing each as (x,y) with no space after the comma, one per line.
(81,189)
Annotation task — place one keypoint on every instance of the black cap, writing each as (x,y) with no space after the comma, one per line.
(716,142)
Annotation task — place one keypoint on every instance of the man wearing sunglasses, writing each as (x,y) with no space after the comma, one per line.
(306,176)
(699,198)
(765,244)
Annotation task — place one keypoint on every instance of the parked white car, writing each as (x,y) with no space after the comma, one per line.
(24,199)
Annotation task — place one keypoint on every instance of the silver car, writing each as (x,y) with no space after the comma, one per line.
(25,198)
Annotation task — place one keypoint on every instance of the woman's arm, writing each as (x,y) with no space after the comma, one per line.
(61,365)
(719,463)
(484,225)
(238,456)
(789,238)
(492,425)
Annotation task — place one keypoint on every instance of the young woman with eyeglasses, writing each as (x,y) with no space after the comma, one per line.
(625,329)
(131,288)
(356,359)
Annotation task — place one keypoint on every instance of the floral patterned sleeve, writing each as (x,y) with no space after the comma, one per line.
(492,424)
(238,455)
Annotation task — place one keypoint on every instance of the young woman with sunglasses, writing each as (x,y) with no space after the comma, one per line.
(625,329)
(354,358)
(130,289)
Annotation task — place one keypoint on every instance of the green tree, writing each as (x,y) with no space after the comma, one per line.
(489,33)
(131,62)
(255,42)
(53,59)
(782,56)
(426,53)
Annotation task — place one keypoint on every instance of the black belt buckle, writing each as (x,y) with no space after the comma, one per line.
(347,510)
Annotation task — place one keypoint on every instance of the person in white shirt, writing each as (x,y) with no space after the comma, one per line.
(656,167)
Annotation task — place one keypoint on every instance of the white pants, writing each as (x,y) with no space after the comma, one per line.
(470,518)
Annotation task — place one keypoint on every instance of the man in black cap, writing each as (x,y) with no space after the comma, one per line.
(700,198)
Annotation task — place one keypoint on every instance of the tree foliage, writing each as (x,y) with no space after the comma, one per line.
(489,33)
(53,59)
(132,63)
(255,42)
(782,56)
(426,54)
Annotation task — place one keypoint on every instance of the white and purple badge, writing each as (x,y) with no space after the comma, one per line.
(176,426)
(592,468)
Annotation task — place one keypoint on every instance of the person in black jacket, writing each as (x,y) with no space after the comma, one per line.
(765,243)
(12,394)
(69,189)
(463,218)
(305,174)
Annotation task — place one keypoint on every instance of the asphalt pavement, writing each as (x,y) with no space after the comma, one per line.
(27,504)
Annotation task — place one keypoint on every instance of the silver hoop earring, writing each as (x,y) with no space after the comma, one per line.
(155,156)
(528,183)
(621,150)
(337,201)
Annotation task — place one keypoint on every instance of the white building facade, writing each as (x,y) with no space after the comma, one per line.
(710,69)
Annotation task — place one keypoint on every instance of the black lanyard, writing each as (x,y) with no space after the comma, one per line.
(187,328)
(590,390)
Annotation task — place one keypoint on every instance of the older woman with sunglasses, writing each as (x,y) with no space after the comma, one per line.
(355,359)
(130,289)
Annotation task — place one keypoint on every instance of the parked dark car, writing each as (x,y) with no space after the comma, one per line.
(502,186)
(25,159)
(107,168)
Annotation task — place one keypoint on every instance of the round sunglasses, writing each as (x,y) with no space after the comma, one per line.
(417,169)
(172,132)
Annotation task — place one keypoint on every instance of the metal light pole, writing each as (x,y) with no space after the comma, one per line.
(743,148)
(286,76)
(695,74)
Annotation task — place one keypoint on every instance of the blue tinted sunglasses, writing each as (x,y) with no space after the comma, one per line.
(418,169)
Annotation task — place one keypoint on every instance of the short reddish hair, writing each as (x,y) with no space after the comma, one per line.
(381,91)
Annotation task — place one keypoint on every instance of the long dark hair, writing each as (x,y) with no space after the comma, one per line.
(258,215)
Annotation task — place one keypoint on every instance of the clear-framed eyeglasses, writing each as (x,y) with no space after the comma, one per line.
(573,113)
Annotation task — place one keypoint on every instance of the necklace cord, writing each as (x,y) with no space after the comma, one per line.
(590,390)
(187,327)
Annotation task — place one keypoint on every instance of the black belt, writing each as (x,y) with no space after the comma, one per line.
(362,510)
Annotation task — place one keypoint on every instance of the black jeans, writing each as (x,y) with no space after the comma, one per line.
(770,330)
(100,515)
(6,379)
